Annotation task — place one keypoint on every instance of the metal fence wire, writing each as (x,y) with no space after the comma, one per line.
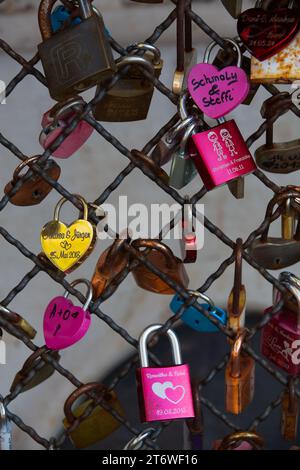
(28,67)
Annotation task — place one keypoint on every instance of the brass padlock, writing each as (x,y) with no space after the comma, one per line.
(78,57)
(186,54)
(236,305)
(43,370)
(239,377)
(163,259)
(275,252)
(35,189)
(130,98)
(18,322)
(110,264)
(99,424)
(283,157)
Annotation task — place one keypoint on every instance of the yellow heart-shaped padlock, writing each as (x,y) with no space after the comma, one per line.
(66,246)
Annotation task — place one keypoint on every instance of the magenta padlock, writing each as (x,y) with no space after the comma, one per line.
(57,119)
(164,393)
(221,154)
(280,340)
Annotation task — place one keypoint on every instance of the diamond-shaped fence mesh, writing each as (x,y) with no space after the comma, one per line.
(28,67)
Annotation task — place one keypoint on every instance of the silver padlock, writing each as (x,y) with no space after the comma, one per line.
(183,169)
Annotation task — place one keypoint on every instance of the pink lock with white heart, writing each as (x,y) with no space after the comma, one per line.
(164,393)
(65,323)
(57,119)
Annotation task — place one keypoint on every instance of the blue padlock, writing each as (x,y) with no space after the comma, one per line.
(194,319)
(61,14)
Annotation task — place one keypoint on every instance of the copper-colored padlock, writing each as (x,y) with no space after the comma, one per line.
(236,305)
(44,370)
(110,264)
(163,259)
(275,252)
(239,377)
(35,189)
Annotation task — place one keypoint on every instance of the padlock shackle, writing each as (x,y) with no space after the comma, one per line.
(140,46)
(63,200)
(186,137)
(246,436)
(90,291)
(59,110)
(161,247)
(111,259)
(27,162)
(292,192)
(171,135)
(237,283)
(295,291)
(212,46)
(236,351)
(44,18)
(135,60)
(143,340)
(208,300)
(137,442)
(83,390)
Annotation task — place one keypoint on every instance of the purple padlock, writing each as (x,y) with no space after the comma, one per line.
(164,393)
(57,119)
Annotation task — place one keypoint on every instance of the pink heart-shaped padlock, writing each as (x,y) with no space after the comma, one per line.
(72,143)
(64,323)
(217,92)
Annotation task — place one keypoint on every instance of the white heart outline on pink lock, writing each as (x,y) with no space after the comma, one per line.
(160,390)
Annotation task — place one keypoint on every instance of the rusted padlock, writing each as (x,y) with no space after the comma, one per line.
(35,189)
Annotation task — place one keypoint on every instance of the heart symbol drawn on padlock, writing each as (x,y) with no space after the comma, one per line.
(168,391)
(175,394)
(265,33)
(66,245)
(64,323)
(217,92)
(159,389)
(80,235)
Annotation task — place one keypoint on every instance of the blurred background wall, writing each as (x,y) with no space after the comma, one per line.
(88,172)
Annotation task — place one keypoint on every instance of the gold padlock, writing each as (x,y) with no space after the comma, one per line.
(163,259)
(130,98)
(67,246)
(99,424)
(44,370)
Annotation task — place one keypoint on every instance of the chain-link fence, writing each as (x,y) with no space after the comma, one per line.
(28,68)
